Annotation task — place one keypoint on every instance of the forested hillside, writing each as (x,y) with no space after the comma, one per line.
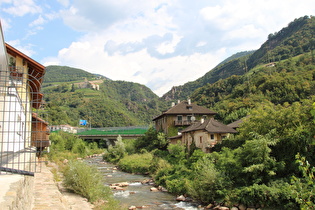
(67,74)
(295,39)
(281,70)
(116,103)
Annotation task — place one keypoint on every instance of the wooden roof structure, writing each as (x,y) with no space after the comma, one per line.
(210,125)
(36,72)
(186,108)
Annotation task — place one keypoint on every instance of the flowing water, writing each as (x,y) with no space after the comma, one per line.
(137,194)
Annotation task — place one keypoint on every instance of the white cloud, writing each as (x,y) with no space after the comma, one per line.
(39,21)
(165,43)
(26,49)
(22,7)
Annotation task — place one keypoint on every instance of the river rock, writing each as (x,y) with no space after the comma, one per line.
(181,198)
(221,208)
(116,188)
(241,207)
(132,208)
(162,189)
(154,189)
(121,184)
(210,206)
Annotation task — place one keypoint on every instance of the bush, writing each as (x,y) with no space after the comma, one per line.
(174,178)
(208,184)
(275,196)
(86,181)
(136,163)
(115,153)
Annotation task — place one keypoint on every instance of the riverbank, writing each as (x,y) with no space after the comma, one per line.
(47,194)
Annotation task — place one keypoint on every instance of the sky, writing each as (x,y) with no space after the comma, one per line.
(157,43)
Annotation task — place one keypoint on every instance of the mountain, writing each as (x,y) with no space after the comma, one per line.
(227,68)
(292,40)
(67,74)
(281,74)
(72,94)
(281,71)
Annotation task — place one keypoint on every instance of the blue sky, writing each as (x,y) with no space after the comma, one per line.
(158,43)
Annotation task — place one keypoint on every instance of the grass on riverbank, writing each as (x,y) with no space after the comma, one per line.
(77,175)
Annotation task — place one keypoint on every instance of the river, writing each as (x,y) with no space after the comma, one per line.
(137,194)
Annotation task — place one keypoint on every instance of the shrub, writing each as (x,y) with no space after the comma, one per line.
(86,181)
(208,184)
(275,196)
(115,153)
(136,163)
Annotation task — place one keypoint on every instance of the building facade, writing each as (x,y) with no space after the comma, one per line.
(180,116)
(21,130)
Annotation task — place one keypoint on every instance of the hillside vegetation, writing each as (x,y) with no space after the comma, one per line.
(295,39)
(269,163)
(67,74)
(116,103)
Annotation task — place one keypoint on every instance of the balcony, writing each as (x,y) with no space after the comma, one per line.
(16,73)
(182,122)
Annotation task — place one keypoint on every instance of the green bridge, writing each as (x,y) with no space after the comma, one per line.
(111,133)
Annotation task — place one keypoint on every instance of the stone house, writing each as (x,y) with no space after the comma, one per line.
(205,134)
(187,123)
(180,116)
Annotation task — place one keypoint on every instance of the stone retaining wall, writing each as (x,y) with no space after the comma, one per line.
(18,193)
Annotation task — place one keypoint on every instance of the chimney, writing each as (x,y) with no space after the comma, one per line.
(189,101)
(178,101)
(173,104)
(202,120)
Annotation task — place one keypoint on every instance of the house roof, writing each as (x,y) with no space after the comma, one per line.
(211,126)
(237,123)
(186,108)
(36,72)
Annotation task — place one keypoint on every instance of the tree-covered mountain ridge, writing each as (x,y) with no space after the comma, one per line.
(295,39)
(280,71)
(113,103)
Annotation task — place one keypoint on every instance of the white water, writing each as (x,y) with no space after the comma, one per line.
(138,194)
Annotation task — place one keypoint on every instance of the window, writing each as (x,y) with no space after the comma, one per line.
(200,139)
(179,117)
(212,136)
(189,117)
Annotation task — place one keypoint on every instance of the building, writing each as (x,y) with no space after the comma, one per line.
(65,128)
(205,134)
(23,130)
(180,116)
(189,123)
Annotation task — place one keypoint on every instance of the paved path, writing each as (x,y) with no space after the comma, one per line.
(47,195)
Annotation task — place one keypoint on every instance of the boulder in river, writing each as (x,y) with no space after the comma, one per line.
(121,184)
(181,198)
(154,189)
